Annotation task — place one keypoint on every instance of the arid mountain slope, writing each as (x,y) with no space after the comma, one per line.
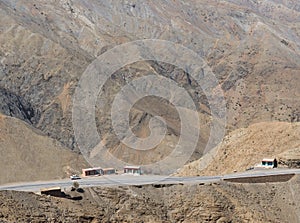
(27,155)
(225,202)
(45,46)
(246,147)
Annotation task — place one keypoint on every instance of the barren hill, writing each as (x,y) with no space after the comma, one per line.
(251,46)
(28,155)
(246,147)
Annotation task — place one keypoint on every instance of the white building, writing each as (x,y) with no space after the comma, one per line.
(134,170)
(269,163)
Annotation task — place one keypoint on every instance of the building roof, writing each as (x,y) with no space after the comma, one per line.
(132,167)
(50,189)
(268,159)
(109,168)
(92,168)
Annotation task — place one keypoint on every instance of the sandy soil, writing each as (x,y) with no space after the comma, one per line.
(28,155)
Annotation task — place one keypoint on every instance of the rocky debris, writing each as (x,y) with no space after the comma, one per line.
(290,163)
(290,158)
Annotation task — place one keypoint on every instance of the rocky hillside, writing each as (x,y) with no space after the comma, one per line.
(246,147)
(28,155)
(290,158)
(251,46)
(222,203)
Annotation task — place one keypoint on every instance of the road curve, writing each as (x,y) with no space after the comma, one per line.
(119,180)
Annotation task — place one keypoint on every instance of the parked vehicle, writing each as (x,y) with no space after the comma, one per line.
(75,177)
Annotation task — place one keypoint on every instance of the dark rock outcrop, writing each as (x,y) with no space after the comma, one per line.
(15,106)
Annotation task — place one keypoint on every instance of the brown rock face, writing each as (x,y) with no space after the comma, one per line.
(251,46)
(225,202)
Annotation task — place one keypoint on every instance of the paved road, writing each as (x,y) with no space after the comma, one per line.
(140,180)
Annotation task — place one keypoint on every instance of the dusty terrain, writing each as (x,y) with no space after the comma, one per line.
(246,147)
(28,155)
(251,46)
(290,158)
(224,202)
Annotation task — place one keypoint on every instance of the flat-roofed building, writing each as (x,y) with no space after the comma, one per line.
(108,171)
(53,191)
(269,163)
(94,171)
(135,170)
